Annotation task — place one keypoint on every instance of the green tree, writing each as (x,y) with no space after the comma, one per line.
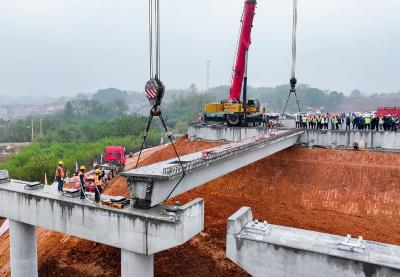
(355,93)
(120,107)
(69,110)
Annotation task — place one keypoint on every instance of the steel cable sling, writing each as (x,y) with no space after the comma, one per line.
(154,88)
(293,80)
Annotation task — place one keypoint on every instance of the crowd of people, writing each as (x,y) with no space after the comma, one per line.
(348,122)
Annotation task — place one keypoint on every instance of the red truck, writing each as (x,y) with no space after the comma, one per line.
(115,155)
(115,160)
(384,111)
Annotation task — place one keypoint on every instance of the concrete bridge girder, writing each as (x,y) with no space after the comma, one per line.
(265,249)
(151,184)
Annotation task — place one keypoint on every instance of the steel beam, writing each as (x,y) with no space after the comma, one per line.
(151,185)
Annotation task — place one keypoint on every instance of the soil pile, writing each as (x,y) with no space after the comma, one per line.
(333,191)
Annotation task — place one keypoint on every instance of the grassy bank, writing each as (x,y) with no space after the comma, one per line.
(42,157)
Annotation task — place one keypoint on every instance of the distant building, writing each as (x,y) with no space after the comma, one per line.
(15,112)
(3,113)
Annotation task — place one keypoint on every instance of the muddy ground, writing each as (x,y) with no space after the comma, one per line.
(334,191)
(9,149)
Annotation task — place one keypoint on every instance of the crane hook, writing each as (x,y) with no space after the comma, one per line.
(155,92)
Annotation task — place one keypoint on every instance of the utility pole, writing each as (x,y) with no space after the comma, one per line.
(208,74)
(32,128)
(40,127)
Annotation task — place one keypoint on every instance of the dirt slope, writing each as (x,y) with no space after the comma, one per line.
(339,192)
(331,191)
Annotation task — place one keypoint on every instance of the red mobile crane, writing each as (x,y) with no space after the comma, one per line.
(234,111)
(238,74)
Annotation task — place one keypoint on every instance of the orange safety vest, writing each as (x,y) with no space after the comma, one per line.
(97,180)
(60,172)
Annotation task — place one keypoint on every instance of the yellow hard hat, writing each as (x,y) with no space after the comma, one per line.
(60,163)
(98,171)
(82,167)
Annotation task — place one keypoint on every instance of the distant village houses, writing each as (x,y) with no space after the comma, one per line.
(15,112)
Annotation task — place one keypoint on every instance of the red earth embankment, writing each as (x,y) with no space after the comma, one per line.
(339,192)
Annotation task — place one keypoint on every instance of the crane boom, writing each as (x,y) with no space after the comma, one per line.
(234,111)
(243,47)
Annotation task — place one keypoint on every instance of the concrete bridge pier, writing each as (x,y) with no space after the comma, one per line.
(139,233)
(23,249)
(136,265)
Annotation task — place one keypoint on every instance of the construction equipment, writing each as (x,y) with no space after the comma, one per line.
(154,88)
(385,111)
(235,111)
(117,202)
(71,193)
(115,160)
(293,80)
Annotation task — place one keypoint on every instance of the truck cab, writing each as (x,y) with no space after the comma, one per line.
(115,155)
(115,160)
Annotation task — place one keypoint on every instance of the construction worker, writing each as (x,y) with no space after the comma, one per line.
(265,119)
(361,123)
(326,122)
(314,122)
(319,122)
(304,121)
(60,174)
(200,118)
(348,122)
(367,123)
(298,121)
(98,183)
(374,122)
(334,123)
(81,175)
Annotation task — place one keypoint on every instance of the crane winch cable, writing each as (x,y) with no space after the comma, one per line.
(293,80)
(294,41)
(154,88)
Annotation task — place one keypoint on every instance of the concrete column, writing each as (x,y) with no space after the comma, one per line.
(136,265)
(23,249)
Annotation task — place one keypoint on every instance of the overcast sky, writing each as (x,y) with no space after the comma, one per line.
(63,47)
